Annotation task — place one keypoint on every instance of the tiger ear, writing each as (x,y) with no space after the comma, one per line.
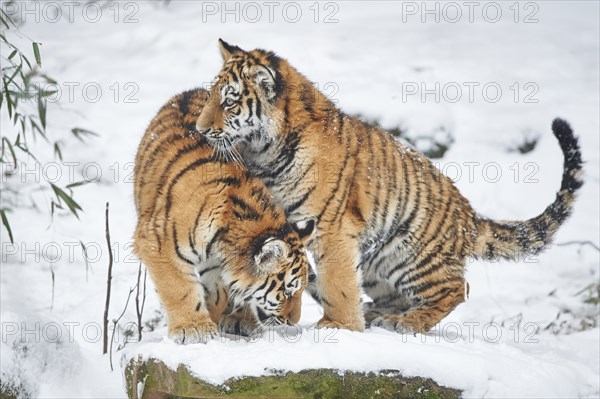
(264,79)
(272,251)
(305,228)
(228,50)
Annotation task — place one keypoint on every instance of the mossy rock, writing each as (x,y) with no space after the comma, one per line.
(161,382)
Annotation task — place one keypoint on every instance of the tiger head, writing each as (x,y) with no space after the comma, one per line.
(271,278)
(242,106)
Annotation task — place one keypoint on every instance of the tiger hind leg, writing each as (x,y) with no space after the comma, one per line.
(431,305)
(386,300)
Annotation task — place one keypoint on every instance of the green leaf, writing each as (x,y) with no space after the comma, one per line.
(81,133)
(78,184)
(26,61)
(46,93)
(42,111)
(24,148)
(49,79)
(34,127)
(11,79)
(58,152)
(14,52)
(8,99)
(36,53)
(70,202)
(6,17)
(2,21)
(6,225)
(7,143)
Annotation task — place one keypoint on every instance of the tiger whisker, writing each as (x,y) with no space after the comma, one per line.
(235,154)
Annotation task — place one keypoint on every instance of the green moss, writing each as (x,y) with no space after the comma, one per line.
(161,382)
(11,392)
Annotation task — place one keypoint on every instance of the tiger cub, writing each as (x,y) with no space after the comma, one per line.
(210,235)
(387,219)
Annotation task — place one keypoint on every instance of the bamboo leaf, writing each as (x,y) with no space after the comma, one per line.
(6,225)
(49,79)
(78,184)
(26,61)
(70,202)
(42,112)
(81,133)
(46,93)
(7,143)
(36,53)
(58,152)
(8,99)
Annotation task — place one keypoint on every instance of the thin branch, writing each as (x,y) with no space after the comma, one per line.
(139,308)
(144,294)
(580,243)
(108,285)
(115,322)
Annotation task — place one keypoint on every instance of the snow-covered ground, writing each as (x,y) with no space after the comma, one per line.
(517,335)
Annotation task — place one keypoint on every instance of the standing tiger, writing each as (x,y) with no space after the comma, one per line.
(210,235)
(387,220)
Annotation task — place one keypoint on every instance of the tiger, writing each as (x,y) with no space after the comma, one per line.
(389,224)
(221,254)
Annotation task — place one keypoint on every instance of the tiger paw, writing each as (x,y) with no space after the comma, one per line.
(393,323)
(193,332)
(352,326)
(235,325)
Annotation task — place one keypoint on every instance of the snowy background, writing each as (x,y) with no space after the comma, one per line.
(528,329)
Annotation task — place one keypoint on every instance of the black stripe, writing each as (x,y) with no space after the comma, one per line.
(295,205)
(336,188)
(192,247)
(184,102)
(242,204)
(249,106)
(245,215)
(221,231)
(208,269)
(196,164)
(177,250)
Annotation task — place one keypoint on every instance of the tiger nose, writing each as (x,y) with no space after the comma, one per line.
(203,127)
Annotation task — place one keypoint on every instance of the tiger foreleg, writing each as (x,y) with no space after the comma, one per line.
(182,296)
(338,285)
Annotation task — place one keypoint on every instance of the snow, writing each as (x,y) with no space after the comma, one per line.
(518,333)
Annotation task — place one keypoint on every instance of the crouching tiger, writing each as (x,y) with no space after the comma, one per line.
(387,219)
(218,250)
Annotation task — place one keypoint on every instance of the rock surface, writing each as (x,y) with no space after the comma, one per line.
(152,379)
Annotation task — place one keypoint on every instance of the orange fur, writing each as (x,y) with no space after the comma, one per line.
(387,220)
(209,234)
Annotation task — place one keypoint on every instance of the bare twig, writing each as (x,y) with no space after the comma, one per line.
(144,296)
(108,286)
(139,308)
(580,243)
(115,322)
